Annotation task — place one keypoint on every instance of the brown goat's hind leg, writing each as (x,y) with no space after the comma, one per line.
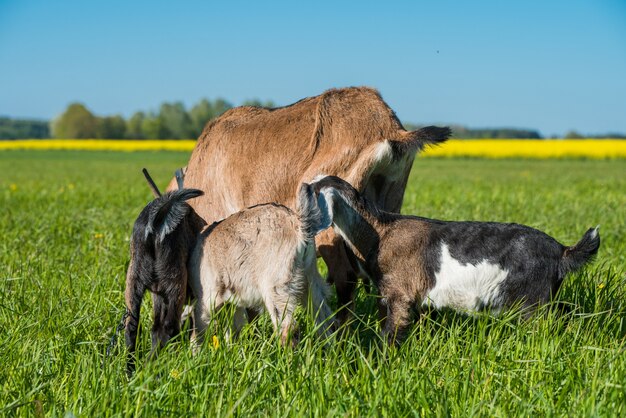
(339,272)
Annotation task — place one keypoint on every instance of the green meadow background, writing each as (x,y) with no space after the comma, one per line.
(65,221)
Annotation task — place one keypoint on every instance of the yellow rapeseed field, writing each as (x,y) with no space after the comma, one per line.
(487,148)
(99,144)
(530,148)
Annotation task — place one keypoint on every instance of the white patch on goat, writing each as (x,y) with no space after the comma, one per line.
(318,178)
(594,233)
(381,157)
(465,286)
(392,171)
(383,153)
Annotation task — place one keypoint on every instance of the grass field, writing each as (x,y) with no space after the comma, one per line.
(64,227)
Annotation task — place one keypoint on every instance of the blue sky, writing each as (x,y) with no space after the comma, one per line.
(549,65)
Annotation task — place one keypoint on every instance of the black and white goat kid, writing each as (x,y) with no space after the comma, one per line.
(467,266)
(163,237)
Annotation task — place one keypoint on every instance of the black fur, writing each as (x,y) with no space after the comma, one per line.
(162,239)
(537,263)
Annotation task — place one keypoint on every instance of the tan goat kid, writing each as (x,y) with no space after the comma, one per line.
(263,256)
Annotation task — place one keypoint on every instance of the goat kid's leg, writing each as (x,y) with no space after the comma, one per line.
(133,295)
(167,313)
(202,316)
(168,301)
(239,320)
(320,309)
(201,319)
(397,319)
(252,314)
(340,272)
(281,309)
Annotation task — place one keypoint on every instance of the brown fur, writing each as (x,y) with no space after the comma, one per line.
(251,155)
(403,278)
(388,248)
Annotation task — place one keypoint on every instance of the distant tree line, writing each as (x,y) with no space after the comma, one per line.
(23,128)
(174,121)
(171,121)
(463,132)
(495,133)
(578,135)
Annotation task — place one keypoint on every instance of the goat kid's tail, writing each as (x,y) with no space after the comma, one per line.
(312,212)
(168,211)
(578,255)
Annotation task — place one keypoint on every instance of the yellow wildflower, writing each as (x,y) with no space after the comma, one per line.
(601,286)
(13,187)
(175,374)
(216,342)
(98,236)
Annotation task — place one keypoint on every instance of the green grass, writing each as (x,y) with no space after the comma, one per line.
(64,226)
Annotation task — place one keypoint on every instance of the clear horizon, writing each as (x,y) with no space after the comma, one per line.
(553,66)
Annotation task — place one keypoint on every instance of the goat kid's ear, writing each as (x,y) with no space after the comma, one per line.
(325,204)
(315,183)
(153,187)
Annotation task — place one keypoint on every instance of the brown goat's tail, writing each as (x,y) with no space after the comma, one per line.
(418,139)
(312,212)
(578,255)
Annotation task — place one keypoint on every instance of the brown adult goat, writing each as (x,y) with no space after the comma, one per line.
(252,155)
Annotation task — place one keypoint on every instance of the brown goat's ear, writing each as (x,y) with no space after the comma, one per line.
(153,186)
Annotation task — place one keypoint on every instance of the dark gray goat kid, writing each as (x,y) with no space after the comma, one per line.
(163,237)
(467,266)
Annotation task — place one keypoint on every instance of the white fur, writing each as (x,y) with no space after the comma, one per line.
(382,156)
(318,178)
(393,172)
(347,218)
(383,153)
(594,233)
(465,286)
